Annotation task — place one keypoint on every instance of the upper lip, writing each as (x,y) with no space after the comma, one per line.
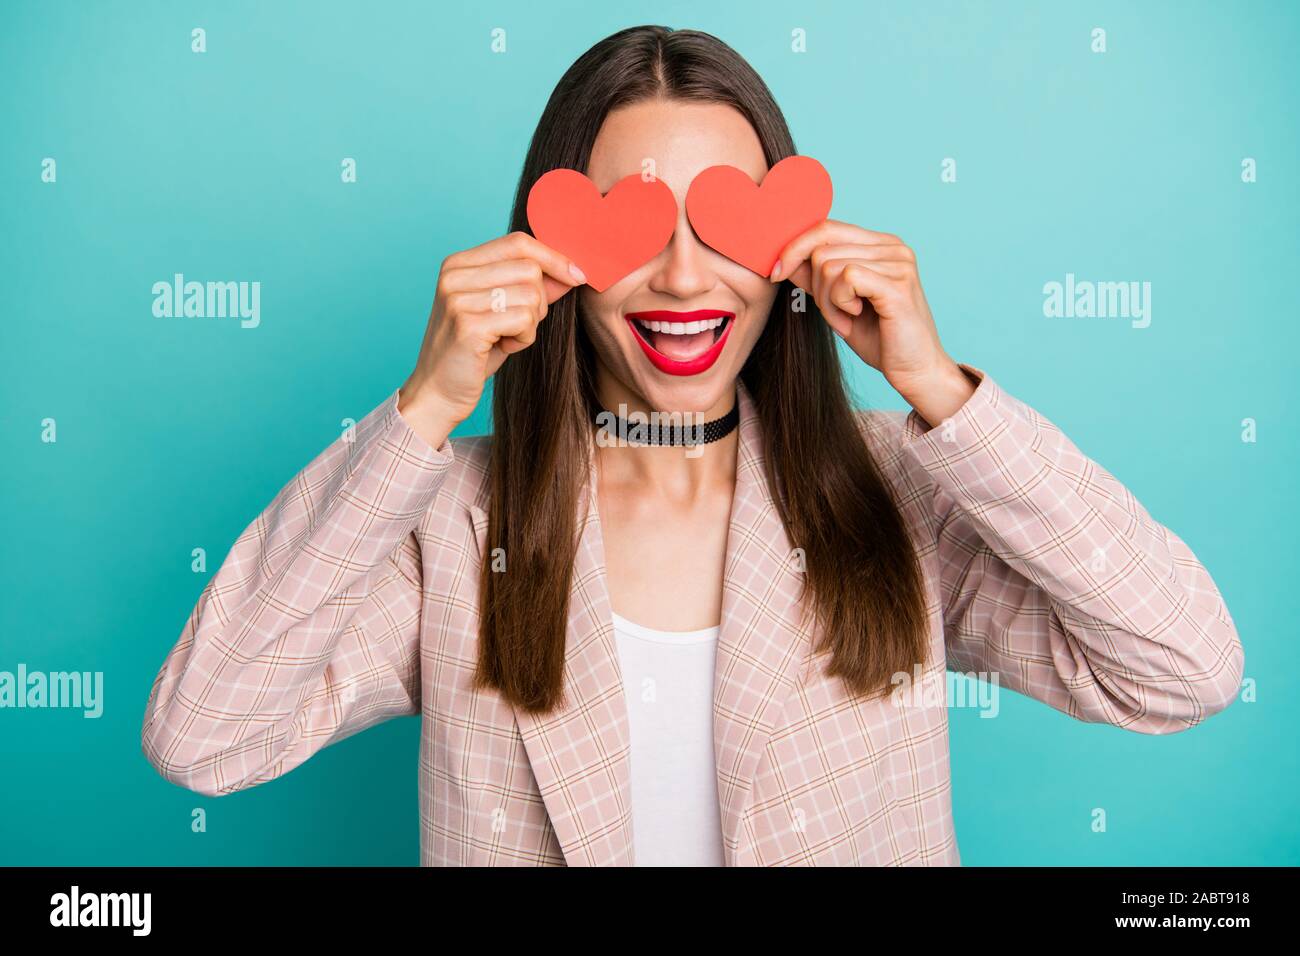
(668,315)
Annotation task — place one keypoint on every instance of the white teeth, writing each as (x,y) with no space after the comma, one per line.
(685,328)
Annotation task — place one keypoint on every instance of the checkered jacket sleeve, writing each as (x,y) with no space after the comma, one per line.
(309,631)
(1054,577)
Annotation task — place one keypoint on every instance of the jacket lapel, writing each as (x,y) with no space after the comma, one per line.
(579,753)
(764,637)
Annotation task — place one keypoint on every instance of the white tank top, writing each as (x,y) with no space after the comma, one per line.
(668,686)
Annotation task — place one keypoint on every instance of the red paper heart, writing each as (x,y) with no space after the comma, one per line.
(608,237)
(751,224)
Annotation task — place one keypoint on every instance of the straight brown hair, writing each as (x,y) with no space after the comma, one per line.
(861,571)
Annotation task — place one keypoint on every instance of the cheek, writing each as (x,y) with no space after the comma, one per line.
(595,312)
(600,318)
(759,296)
(589,302)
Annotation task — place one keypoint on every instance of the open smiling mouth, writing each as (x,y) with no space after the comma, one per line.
(681,343)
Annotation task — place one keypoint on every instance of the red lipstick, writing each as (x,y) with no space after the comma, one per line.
(695,364)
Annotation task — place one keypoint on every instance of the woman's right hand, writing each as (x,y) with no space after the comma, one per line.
(487,305)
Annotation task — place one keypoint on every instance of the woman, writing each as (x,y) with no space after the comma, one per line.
(643,654)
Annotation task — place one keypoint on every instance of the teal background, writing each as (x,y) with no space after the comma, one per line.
(173,433)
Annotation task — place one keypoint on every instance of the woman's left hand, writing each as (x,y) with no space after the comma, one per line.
(868,289)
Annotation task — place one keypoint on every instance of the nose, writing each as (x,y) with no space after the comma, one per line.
(682,269)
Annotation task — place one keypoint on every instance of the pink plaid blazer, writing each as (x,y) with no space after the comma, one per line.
(353,598)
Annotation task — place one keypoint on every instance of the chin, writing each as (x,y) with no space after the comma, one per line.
(681,394)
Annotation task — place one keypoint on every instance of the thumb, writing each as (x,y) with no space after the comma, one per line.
(554,288)
(802,277)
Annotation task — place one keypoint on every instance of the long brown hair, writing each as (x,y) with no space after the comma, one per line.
(861,570)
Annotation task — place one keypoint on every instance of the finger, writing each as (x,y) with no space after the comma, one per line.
(492,275)
(883,252)
(854,281)
(842,284)
(520,245)
(891,252)
(511,330)
(829,232)
(822,280)
(498,299)
(893,268)
(498,274)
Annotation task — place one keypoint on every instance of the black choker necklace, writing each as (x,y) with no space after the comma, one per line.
(662,428)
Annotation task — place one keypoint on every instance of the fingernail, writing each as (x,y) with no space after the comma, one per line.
(776,271)
(576,272)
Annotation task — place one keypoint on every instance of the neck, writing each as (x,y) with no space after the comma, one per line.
(678,472)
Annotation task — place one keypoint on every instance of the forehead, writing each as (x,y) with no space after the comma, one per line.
(681,137)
